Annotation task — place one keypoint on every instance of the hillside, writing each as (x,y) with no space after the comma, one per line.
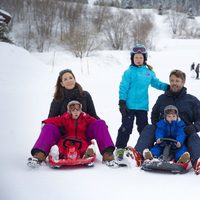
(27,84)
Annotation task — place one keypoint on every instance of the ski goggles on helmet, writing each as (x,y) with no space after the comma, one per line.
(73,107)
(138,49)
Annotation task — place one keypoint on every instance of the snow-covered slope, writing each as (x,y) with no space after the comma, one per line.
(27,85)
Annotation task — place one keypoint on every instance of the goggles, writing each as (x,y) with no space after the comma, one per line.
(74,107)
(139,50)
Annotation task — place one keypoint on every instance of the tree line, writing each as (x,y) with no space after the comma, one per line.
(42,24)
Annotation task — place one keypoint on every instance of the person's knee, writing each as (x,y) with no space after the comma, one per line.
(192,138)
(99,123)
(122,129)
(148,130)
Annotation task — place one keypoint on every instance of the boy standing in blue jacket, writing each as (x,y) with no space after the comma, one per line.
(169,127)
(133,96)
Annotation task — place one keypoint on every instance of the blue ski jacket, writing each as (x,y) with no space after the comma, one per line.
(134,87)
(174,130)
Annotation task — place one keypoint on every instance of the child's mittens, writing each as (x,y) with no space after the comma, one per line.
(123,108)
(178,144)
(158,141)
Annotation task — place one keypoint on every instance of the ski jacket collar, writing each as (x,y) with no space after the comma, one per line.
(182,92)
(71,94)
(138,66)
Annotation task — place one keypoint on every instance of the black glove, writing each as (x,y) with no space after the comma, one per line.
(190,129)
(123,108)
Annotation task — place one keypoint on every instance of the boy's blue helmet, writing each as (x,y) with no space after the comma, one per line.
(138,48)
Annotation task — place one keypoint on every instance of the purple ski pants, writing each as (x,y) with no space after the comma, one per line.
(50,136)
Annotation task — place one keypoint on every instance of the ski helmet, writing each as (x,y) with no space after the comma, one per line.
(74,105)
(138,48)
(170,109)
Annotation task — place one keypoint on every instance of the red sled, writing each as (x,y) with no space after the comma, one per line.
(70,154)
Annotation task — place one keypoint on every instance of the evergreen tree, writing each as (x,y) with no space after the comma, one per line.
(190,14)
(4,30)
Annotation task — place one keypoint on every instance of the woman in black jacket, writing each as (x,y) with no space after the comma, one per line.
(67,89)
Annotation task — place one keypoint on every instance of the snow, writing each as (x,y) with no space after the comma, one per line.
(27,85)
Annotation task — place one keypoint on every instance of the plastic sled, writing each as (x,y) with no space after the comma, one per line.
(69,154)
(166,163)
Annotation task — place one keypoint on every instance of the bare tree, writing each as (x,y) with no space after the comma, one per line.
(116,29)
(191,29)
(63,19)
(176,21)
(142,28)
(81,41)
(99,15)
(44,14)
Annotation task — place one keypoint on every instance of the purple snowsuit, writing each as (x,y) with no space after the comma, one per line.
(50,135)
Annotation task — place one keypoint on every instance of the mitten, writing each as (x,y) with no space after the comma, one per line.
(122,107)
(190,129)
(178,144)
(158,141)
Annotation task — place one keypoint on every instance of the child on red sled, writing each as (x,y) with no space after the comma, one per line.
(77,125)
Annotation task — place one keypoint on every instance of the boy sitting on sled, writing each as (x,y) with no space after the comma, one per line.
(170,127)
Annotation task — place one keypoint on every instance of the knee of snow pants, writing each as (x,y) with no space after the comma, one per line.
(48,137)
(193,145)
(125,130)
(146,138)
(99,131)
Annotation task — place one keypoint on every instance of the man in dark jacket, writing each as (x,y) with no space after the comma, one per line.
(189,112)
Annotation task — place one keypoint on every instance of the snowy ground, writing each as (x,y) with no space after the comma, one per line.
(27,85)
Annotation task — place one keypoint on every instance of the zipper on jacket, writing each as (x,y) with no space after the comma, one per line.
(76,128)
(170,130)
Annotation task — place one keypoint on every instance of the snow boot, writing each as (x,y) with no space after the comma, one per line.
(197,167)
(119,153)
(147,154)
(36,160)
(108,159)
(33,162)
(185,158)
(134,155)
(89,153)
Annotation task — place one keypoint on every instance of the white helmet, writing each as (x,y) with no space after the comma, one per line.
(170,109)
(74,105)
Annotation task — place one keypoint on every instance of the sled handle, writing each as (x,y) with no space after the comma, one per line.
(168,140)
(73,141)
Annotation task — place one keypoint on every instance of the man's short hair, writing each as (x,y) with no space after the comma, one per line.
(178,73)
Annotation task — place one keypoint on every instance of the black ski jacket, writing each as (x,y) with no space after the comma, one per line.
(58,108)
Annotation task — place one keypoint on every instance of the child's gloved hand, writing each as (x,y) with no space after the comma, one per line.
(158,141)
(178,144)
(123,108)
